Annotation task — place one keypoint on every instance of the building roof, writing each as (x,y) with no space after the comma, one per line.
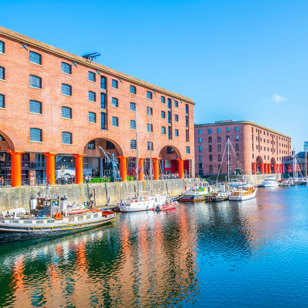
(231,122)
(64,54)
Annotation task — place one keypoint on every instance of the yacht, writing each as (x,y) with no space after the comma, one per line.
(270,181)
(243,193)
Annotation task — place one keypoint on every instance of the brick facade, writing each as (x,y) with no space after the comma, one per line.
(16,119)
(253,148)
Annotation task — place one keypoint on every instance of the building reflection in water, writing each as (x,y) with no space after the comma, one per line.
(146,259)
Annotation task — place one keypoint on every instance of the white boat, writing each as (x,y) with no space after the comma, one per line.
(270,181)
(138,204)
(195,194)
(242,194)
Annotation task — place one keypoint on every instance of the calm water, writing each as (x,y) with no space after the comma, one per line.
(211,255)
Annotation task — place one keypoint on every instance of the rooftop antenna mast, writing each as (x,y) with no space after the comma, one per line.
(91,56)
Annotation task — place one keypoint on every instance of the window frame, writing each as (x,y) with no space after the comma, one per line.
(68,134)
(2,101)
(31,52)
(92,114)
(31,101)
(90,73)
(2,43)
(117,120)
(114,84)
(92,94)
(66,65)
(114,99)
(66,108)
(35,129)
(66,86)
(38,78)
(134,106)
(132,89)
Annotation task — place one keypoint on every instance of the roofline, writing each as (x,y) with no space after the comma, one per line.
(242,122)
(64,54)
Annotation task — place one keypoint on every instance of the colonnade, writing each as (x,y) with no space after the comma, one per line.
(266,168)
(51,168)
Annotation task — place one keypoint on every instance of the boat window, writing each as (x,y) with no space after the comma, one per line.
(88,216)
(80,218)
(50,221)
(39,221)
(16,221)
(95,215)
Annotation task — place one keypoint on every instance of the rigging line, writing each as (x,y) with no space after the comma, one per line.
(220,167)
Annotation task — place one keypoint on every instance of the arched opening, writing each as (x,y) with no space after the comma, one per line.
(273,164)
(98,154)
(259,162)
(5,158)
(169,165)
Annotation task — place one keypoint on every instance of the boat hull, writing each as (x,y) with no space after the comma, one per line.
(242,197)
(8,234)
(191,198)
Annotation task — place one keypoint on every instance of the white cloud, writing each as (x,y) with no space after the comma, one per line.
(278,98)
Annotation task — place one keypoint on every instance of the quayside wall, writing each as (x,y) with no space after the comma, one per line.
(14,197)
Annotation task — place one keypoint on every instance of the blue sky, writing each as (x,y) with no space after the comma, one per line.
(240,60)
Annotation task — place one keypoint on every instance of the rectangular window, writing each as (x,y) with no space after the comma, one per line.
(149,111)
(211,169)
(163,130)
(169,132)
(103,120)
(187,135)
(103,82)
(176,104)
(169,103)
(210,148)
(2,101)
(176,133)
(237,129)
(150,146)
(132,106)
(200,139)
(35,81)
(169,116)
(219,157)
(115,121)
(66,112)
(149,95)
(176,118)
(210,157)
(66,89)
(2,47)
(237,147)
(218,138)
(209,131)
(187,150)
(200,148)
(35,107)
(186,108)
(218,130)
(66,138)
(200,131)
(114,102)
(132,89)
(114,83)
(186,121)
(103,100)
(92,76)
(163,114)
(35,134)
(132,124)
(91,145)
(66,68)
(219,147)
(2,73)
(133,144)
(35,57)
(150,127)
(163,99)
(237,138)
(92,117)
(227,129)
(92,96)
(210,138)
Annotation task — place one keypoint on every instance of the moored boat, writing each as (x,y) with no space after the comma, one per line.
(269,181)
(242,194)
(49,219)
(167,206)
(217,197)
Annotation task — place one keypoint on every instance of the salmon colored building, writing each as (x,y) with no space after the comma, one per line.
(253,149)
(57,109)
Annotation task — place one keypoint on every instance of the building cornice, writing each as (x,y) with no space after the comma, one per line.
(223,123)
(80,60)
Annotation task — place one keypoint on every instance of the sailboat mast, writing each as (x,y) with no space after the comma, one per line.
(151,167)
(137,153)
(228,151)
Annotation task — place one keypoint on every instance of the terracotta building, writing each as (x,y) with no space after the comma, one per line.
(253,149)
(57,109)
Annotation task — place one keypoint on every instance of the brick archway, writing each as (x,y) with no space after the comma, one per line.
(6,142)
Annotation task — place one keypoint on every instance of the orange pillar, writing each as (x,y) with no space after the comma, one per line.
(262,168)
(275,168)
(156,168)
(254,168)
(123,168)
(141,169)
(269,168)
(15,168)
(78,168)
(181,168)
(50,168)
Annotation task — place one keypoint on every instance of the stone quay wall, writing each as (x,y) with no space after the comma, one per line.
(14,197)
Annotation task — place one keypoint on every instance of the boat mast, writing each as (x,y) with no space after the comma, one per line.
(228,151)
(137,154)
(151,167)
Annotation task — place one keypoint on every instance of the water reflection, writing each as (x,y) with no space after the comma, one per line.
(178,257)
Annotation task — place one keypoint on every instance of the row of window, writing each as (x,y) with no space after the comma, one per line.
(228,130)
(219,148)
(36,135)
(66,68)
(259,131)
(210,139)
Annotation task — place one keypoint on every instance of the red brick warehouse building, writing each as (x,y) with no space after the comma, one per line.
(57,109)
(253,149)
